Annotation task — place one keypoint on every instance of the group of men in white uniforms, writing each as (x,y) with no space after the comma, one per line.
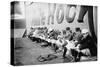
(65,44)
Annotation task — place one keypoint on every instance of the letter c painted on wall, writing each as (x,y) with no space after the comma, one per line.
(70,19)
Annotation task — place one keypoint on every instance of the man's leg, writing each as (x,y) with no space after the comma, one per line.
(84,52)
(74,54)
(64,54)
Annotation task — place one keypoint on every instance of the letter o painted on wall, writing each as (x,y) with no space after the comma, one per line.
(60,15)
(70,19)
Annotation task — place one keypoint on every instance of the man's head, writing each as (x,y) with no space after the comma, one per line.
(77,29)
(67,28)
(85,32)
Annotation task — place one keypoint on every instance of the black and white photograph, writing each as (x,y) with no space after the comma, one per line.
(52,33)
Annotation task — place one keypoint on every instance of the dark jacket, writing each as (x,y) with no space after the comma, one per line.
(88,43)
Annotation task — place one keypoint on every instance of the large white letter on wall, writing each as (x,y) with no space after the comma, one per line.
(68,18)
(60,14)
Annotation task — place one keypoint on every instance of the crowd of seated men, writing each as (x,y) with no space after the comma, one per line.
(77,44)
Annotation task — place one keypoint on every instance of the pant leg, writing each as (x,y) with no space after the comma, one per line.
(65,50)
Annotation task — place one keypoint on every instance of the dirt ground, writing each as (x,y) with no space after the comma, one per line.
(26,52)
